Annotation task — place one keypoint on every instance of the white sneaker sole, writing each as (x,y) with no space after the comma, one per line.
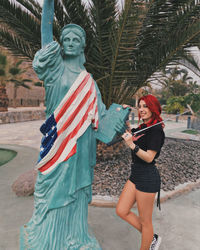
(158,243)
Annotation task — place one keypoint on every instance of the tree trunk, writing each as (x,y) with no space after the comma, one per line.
(15,97)
(3,99)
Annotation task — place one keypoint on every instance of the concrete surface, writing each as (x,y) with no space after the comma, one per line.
(178,222)
(28,134)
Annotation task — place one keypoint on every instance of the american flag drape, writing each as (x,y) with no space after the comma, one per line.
(75,113)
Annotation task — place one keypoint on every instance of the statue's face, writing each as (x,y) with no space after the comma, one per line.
(72,44)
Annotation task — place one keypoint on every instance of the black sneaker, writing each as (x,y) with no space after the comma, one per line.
(155,242)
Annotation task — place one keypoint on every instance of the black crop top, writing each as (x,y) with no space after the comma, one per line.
(151,139)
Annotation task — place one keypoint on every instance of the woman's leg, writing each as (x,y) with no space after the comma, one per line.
(145,203)
(125,203)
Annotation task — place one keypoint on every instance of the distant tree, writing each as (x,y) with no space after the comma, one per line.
(175,104)
(175,81)
(38,84)
(194,101)
(17,78)
(178,90)
(3,73)
(194,88)
(3,67)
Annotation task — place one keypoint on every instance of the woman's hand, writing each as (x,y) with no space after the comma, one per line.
(128,124)
(147,156)
(127,136)
(126,106)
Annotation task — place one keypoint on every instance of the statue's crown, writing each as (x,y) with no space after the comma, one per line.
(74,26)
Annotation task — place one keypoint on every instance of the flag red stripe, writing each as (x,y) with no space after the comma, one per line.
(94,120)
(74,114)
(73,151)
(67,139)
(96,109)
(72,97)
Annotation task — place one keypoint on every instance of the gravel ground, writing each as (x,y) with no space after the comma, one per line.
(178,163)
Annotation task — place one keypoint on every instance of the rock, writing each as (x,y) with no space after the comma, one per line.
(25,183)
(178,163)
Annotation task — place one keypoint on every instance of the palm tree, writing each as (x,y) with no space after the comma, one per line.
(124,47)
(175,81)
(194,87)
(3,73)
(17,79)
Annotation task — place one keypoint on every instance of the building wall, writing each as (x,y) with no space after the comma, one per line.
(27,97)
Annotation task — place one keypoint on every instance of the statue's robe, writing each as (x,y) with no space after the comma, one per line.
(61,196)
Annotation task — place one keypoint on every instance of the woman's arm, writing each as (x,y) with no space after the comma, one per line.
(147,156)
(47,22)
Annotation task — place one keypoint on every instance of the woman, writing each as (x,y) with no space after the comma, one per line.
(144,181)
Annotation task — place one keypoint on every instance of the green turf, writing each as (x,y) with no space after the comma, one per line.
(191,132)
(6,155)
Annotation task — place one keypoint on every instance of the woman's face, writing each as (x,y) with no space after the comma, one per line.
(144,111)
(72,44)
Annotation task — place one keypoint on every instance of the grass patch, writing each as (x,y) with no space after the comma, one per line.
(6,155)
(191,132)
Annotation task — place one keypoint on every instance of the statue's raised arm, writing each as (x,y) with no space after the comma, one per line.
(47,22)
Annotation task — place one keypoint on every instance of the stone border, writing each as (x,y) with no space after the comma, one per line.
(111,201)
(22,116)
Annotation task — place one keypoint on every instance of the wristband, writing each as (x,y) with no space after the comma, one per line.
(136,149)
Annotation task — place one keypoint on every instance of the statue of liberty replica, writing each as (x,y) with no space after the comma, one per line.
(74,110)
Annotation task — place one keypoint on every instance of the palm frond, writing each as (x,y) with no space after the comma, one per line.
(167,31)
(27,80)
(32,6)
(188,61)
(103,18)
(76,13)
(38,84)
(123,43)
(60,14)
(20,22)
(19,63)
(3,60)
(22,84)
(16,44)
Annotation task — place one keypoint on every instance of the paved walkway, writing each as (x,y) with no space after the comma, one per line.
(28,134)
(178,222)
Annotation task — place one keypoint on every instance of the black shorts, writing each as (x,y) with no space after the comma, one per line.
(145,177)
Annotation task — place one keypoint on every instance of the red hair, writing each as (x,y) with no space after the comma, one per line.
(155,108)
